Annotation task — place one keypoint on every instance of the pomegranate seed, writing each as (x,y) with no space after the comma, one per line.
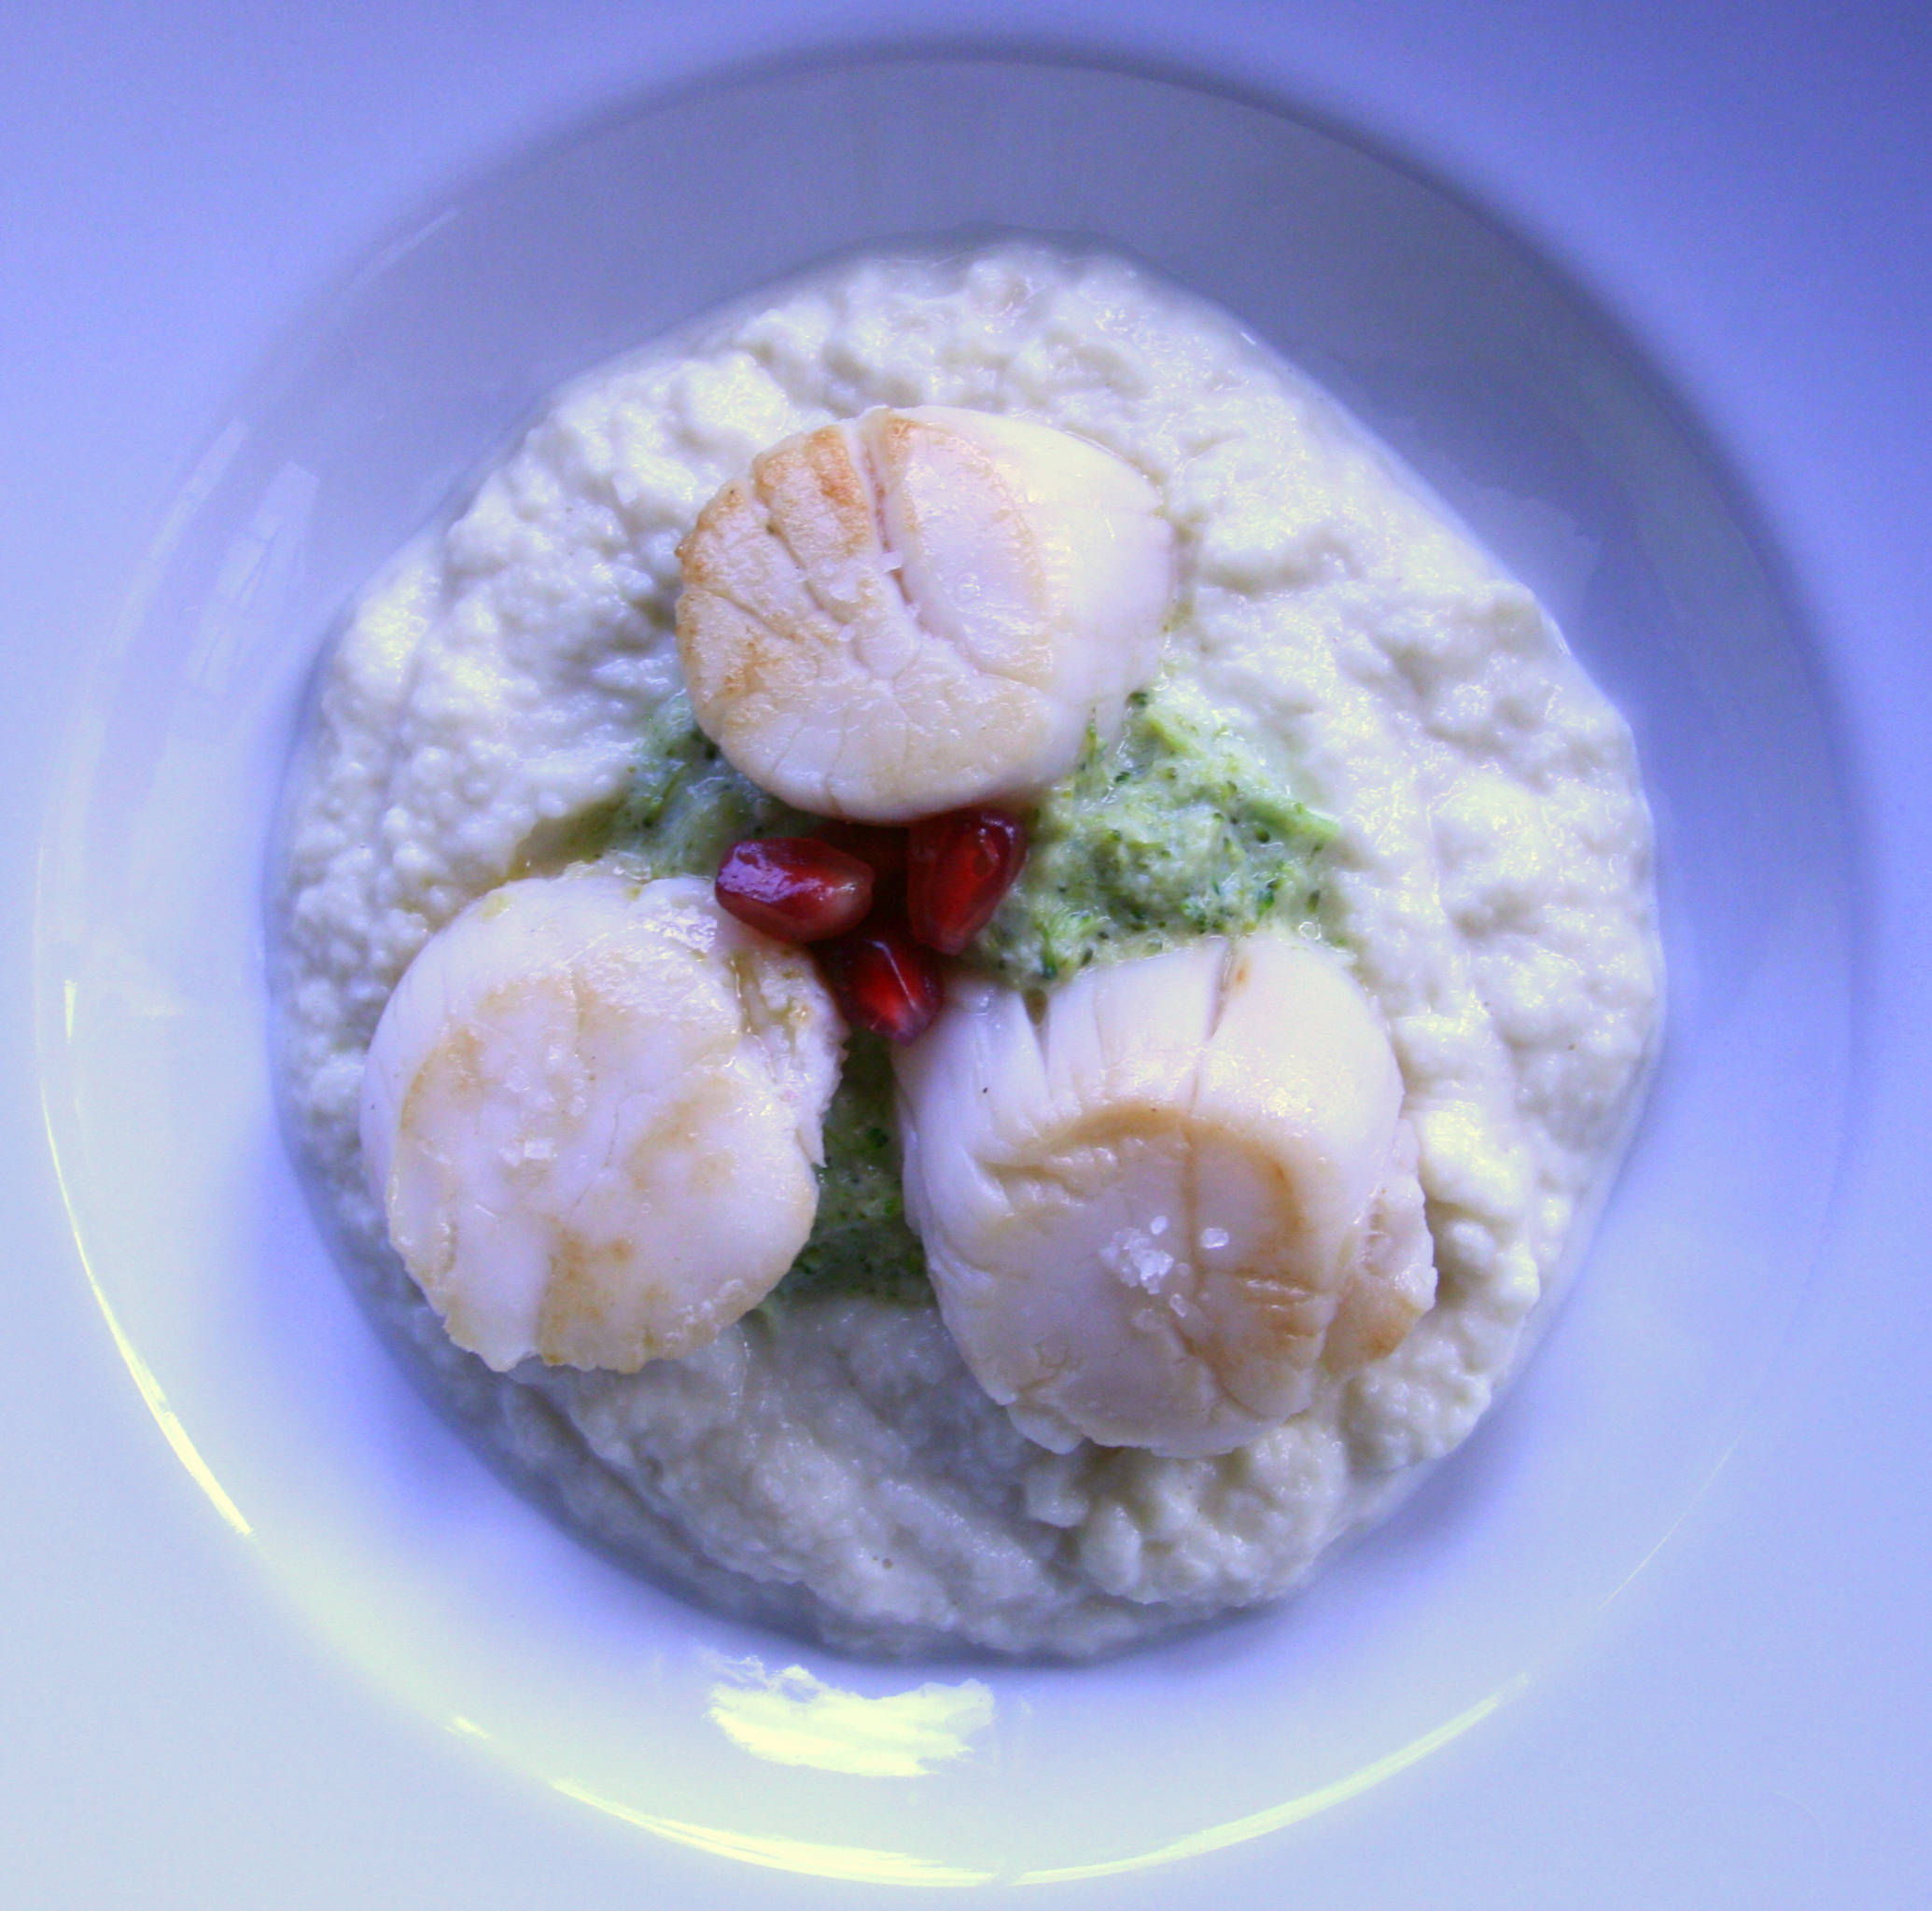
(885,982)
(881,849)
(795,886)
(957,867)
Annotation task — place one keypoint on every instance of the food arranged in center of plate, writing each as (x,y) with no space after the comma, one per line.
(955,966)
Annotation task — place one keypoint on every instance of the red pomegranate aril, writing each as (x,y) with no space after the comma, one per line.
(885,982)
(957,866)
(880,847)
(794,887)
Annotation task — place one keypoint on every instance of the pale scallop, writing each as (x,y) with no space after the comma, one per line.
(919,609)
(591,1111)
(1156,1205)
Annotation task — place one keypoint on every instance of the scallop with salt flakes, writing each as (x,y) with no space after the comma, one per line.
(920,609)
(592,1114)
(1155,1207)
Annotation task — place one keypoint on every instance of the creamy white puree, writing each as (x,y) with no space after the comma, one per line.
(832,1464)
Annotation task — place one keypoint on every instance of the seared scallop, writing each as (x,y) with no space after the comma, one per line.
(592,1114)
(920,609)
(1150,1205)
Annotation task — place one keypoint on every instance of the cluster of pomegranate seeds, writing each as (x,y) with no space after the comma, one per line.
(794,887)
(884,904)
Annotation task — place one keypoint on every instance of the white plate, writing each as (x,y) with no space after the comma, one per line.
(388,1543)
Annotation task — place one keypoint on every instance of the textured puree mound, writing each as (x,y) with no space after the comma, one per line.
(1340,668)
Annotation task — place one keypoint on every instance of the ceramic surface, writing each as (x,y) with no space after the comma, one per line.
(560,1715)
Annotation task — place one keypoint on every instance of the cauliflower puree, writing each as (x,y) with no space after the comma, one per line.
(1369,735)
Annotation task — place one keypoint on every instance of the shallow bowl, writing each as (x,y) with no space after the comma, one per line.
(1530,414)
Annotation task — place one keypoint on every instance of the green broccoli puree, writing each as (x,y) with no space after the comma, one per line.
(686,806)
(860,1241)
(1177,830)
